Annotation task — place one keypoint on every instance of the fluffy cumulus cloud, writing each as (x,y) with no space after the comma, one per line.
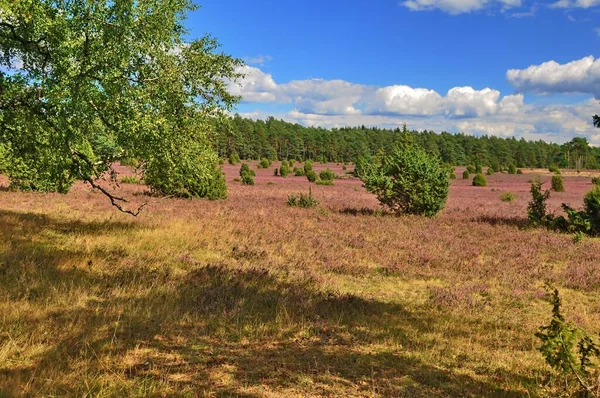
(455,7)
(581,76)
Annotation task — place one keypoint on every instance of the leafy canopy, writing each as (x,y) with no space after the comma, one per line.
(85,83)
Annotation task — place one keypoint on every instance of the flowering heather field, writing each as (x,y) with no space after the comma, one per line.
(249,297)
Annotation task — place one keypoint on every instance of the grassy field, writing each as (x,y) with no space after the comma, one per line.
(251,298)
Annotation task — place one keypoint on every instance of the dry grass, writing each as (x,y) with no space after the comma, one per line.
(249,297)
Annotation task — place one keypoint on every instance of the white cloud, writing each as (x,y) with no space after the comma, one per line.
(575,3)
(455,7)
(581,76)
(258,60)
(255,86)
(405,100)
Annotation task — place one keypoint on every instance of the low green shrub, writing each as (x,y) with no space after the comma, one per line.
(311,176)
(264,163)
(466,174)
(234,158)
(519,171)
(554,169)
(131,180)
(302,200)
(490,171)
(512,169)
(479,180)
(247,174)
(327,175)
(507,197)
(557,183)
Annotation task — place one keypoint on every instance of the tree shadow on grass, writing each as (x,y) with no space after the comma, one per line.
(365,211)
(214,329)
(519,222)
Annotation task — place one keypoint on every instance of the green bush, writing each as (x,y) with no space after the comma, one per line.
(512,169)
(557,183)
(284,170)
(478,168)
(131,180)
(570,351)
(490,171)
(479,180)
(495,166)
(471,169)
(198,177)
(519,171)
(311,176)
(234,158)
(298,171)
(466,175)
(591,204)
(596,180)
(536,208)
(302,200)
(247,174)
(408,180)
(452,176)
(554,169)
(507,197)
(264,163)
(308,166)
(324,182)
(275,172)
(327,175)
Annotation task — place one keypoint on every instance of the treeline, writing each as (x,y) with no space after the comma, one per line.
(277,139)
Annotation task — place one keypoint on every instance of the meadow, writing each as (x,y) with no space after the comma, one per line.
(249,297)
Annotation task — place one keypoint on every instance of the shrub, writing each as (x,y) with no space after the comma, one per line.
(234,158)
(264,163)
(452,176)
(569,350)
(327,175)
(536,208)
(131,180)
(324,182)
(519,171)
(201,177)
(408,180)
(247,174)
(298,171)
(466,174)
(478,168)
(479,180)
(308,166)
(596,180)
(471,169)
(495,166)
(512,169)
(284,170)
(591,204)
(557,183)
(129,162)
(490,171)
(311,176)
(507,197)
(302,200)
(554,169)
(275,172)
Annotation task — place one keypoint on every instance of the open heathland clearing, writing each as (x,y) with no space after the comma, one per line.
(250,297)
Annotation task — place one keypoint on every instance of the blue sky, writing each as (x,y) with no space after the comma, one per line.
(433,64)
